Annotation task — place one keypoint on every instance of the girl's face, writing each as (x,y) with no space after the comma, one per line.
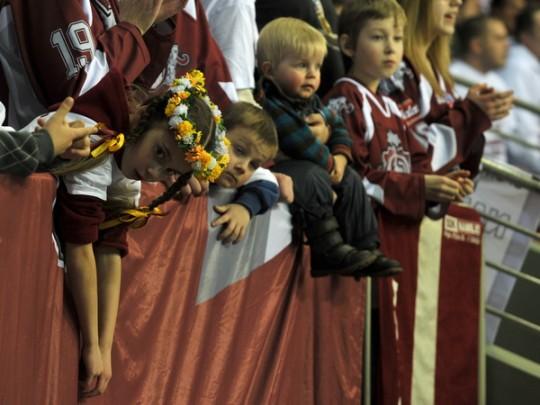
(155,157)
(378,51)
(299,76)
(246,152)
(444,14)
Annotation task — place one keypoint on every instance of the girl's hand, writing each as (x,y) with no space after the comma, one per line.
(235,218)
(441,189)
(496,104)
(340,164)
(93,366)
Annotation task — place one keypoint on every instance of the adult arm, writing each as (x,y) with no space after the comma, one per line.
(22,152)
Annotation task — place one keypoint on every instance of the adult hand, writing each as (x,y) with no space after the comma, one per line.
(73,137)
(496,104)
(144,13)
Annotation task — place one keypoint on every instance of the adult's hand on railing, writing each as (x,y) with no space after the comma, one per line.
(496,104)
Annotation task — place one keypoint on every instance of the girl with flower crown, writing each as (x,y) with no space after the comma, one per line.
(177,133)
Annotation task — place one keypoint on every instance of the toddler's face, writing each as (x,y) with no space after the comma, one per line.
(246,152)
(155,157)
(378,51)
(299,76)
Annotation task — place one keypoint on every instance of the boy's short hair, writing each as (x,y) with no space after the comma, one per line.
(286,35)
(248,116)
(355,15)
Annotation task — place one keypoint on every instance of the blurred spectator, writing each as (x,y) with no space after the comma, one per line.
(234,28)
(507,11)
(321,14)
(481,46)
(470,8)
(522,73)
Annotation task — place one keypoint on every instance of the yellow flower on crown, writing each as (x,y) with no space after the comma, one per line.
(206,164)
(185,128)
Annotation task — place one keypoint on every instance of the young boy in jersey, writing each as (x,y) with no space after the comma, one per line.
(397,171)
(315,151)
(253,141)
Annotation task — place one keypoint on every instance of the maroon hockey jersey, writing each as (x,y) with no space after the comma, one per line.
(391,161)
(187,43)
(52,51)
(450,130)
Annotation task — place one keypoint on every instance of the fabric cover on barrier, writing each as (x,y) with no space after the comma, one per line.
(272,335)
(435,360)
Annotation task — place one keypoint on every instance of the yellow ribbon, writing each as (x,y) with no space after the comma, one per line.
(136,218)
(111,145)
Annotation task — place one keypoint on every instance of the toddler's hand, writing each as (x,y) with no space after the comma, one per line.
(235,220)
(340,164)
(318,127)
(286,187)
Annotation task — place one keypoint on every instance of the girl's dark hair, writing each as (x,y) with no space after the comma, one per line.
(152,110)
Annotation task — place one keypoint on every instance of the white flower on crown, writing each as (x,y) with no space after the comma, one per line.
(188,139)
(212,163)
(174,121)
(182,109)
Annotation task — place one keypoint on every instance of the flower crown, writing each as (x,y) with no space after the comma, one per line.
(206,164)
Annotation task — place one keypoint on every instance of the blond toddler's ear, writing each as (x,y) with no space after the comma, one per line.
(267,70)
(346,45)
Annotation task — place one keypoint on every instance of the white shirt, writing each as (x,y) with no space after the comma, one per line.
(496,148)
(522,74)
(234,28)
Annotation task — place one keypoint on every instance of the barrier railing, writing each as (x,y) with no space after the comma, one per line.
(520,179)
(517,102)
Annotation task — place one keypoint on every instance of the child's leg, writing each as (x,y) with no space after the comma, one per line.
(358,224)
(314,199)
(354,212)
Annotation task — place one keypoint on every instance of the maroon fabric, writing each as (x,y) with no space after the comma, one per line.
(456,379)
(197,49)
(275,337)
(38,338)
(115,237)
(456,374)
(77,217)
(35,24)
